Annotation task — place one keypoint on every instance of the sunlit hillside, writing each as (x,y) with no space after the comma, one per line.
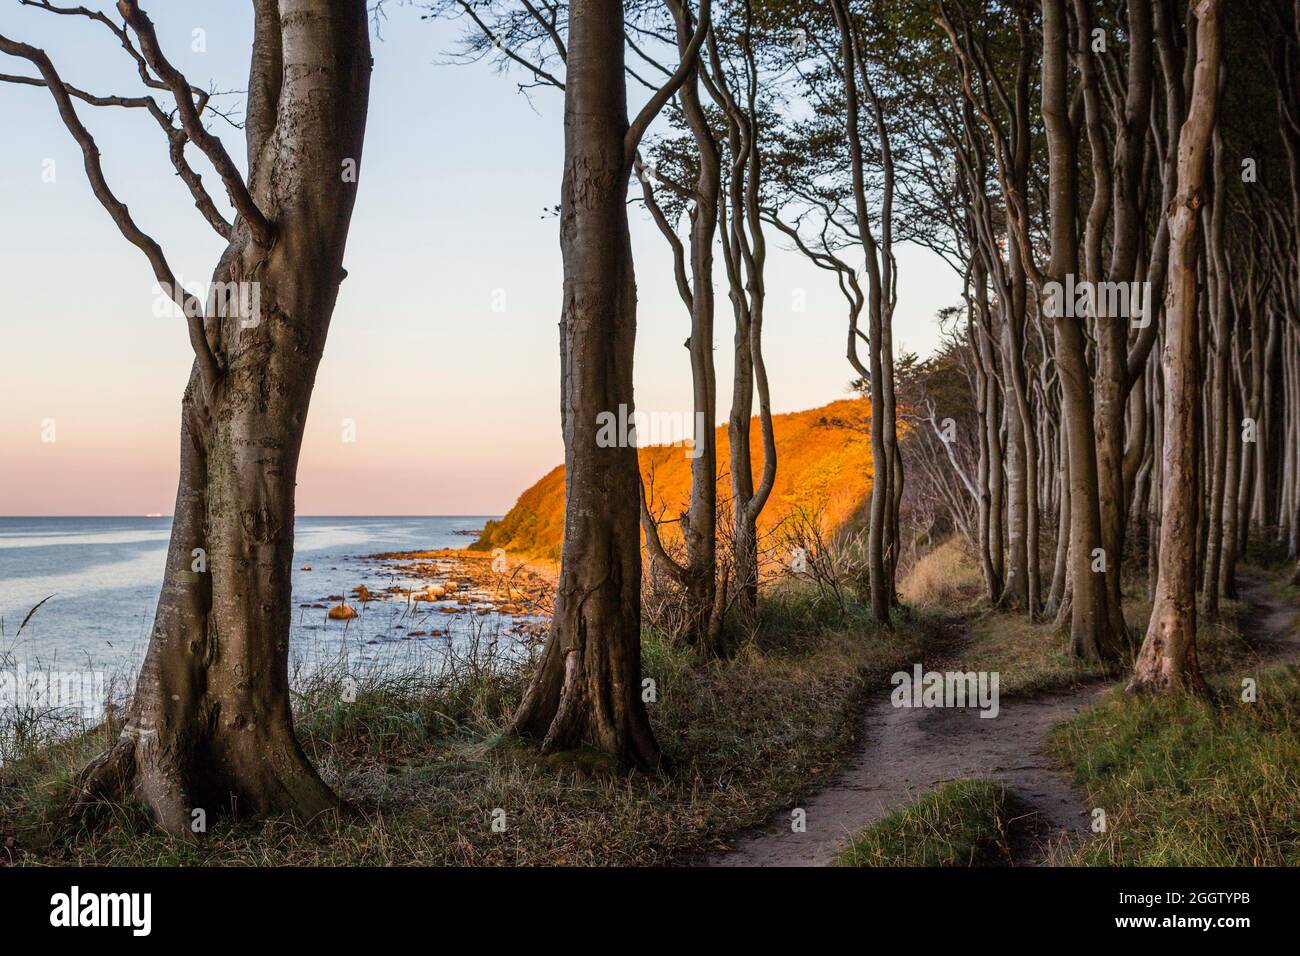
(823,467)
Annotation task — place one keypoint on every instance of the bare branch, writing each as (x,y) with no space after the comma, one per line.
(549,25)
(121,216)
(648,112)
(497,42)
(262,229)
(176,142)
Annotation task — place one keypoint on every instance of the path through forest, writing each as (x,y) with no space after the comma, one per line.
(904,752)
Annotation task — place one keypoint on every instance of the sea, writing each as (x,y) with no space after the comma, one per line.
(94,585)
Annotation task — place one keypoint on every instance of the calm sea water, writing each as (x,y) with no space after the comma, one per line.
(103,576)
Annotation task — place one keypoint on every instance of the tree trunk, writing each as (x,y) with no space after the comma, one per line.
(1219,301)
(1111,330)
(1060,566)
(698,577)
(1227,581)
(209,726)
(1092,636)
(982,465)
(1167,661)
(587,690)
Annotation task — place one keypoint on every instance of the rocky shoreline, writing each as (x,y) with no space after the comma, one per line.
(454,581)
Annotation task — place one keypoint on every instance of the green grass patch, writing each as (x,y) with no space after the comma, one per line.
(959,823)
(1187,782)
(1030,656)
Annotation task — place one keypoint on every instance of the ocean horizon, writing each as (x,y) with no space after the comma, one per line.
(99,577)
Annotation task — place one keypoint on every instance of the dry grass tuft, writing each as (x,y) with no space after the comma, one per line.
(946,576)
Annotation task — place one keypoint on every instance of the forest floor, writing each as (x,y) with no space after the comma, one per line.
(904,752)
(911,766)
(799,719)
(428,778)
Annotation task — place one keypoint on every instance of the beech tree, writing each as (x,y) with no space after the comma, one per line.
(1168,656)
(703,582)
(722,204)
(1038,146)
(835,204)
(1113,93)
(209,726)
(587,688)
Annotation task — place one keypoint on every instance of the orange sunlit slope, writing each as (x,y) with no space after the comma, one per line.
(823,464)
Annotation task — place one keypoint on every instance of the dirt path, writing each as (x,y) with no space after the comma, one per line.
(903,752)
(1273,622)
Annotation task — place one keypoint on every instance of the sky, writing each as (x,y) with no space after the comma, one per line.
(443,352)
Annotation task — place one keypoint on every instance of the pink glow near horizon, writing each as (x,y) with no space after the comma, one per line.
(443,350)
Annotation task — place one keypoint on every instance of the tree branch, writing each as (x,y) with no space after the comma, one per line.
(261,228)
(496,41)
(121,216)
(636,130)
(176,142)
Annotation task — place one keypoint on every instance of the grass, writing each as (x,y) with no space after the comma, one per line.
(1282,578)
(1191,782)
(943,577)
(1184,782)
(420,758)
(1030,657)
(1187,782)
(959,823)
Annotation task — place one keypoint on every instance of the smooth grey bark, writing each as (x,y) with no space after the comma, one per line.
(1167,660)
(209,725)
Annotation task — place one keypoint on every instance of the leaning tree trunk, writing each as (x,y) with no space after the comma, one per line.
(209,726)
(1167,660)
(705,596)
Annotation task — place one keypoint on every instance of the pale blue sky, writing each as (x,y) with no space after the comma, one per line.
(456,405)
